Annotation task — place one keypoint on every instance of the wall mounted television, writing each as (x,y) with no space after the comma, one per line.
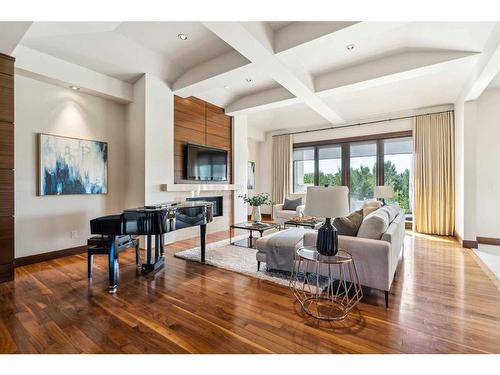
(205,163)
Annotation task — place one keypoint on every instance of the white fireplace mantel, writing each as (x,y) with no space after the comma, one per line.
(200,187)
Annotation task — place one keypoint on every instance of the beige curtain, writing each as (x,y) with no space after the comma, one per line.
(282,160)
(434,177)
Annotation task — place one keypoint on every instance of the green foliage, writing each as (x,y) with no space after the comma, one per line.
(363,181)
(401,184)
(257,200)
(330,179)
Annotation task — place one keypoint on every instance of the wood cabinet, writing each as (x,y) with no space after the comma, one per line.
(6,168)
(199,122)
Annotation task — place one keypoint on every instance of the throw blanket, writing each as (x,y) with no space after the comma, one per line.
(281,248)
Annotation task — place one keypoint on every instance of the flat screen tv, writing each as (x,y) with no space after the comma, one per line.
(206,163)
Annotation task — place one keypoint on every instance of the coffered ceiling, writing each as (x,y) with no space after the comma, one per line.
(284,74)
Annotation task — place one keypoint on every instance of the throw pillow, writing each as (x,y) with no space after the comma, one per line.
(374,225)
(368,210)
(291,204)
(349,225)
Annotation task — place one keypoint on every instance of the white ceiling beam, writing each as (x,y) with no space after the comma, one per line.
(310,35)
(393,68)
(488,67)
(213,73)
(261,101)
(11,35)
(38,65)
(253,41)
(298,34)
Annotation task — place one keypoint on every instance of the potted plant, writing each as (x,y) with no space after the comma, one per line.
(256,201)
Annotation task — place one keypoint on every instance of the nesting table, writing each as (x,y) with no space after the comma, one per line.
(327,287)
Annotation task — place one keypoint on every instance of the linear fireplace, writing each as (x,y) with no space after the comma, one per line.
(217,201)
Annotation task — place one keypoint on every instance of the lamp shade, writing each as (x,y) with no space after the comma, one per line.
(384,192)
(327,201)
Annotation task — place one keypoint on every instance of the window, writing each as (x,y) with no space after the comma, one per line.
(398,161)
(363,172)
(359,164)
(330,165)
(303,169)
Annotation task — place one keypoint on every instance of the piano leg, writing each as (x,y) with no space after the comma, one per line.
(148,249)
(114,268)
(158,261)
(157,247)
(162,244)
(203,238)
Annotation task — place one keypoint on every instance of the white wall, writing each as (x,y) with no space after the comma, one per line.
(459,168)
(135,145)
(240,160)
(159,139)
(487,164)
(45,223)
(254,155)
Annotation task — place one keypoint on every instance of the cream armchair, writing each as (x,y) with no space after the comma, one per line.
(280,215)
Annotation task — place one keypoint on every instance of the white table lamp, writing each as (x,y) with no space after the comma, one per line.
(384,192)
(327,202)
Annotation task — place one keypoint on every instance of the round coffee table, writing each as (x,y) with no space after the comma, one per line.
(326,287)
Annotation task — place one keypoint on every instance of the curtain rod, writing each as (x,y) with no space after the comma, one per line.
(360,123)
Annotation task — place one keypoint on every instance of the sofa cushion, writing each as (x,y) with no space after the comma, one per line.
(393,211)
(374,225)
(291,204)
(372,203)
(285,214)
(349,225)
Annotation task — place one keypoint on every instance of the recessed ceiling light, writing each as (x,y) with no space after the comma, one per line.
(76,88)
(248,80)
(350,47)
(226,87)
(182,36)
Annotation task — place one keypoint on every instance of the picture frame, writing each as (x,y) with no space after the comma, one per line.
(71,166)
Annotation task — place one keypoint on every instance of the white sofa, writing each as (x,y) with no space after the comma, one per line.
(280,215)
(376,259)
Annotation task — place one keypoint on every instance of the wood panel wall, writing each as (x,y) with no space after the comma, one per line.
(6,168)
(199,122)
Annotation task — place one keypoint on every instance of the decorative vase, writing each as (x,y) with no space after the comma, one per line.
(256,216)
(327,240)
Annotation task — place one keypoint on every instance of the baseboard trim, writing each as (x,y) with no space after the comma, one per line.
(37,258)
(468,244)
(488,241)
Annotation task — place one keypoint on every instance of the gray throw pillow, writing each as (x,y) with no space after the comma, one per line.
(291,204)
(349,225)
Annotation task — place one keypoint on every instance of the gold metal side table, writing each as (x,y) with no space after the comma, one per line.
(327,288)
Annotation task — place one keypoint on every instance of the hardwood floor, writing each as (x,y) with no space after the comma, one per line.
(441,302)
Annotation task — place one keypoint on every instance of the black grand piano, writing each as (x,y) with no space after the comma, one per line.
(152,222)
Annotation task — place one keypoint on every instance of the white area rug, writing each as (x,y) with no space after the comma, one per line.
(234,258)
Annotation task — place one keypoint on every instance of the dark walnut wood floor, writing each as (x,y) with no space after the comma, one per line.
(441,301)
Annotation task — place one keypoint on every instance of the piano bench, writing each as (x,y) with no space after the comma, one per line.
(99,245)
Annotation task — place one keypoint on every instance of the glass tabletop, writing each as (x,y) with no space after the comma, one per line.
(310,253)
(254,226)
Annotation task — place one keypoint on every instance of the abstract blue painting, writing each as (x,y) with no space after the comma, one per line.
(72,166)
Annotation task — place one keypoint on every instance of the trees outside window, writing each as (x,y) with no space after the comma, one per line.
(363,172)
(398,161)
(303,169)
(330,165)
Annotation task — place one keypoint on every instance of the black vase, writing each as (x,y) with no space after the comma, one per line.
(327,242)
